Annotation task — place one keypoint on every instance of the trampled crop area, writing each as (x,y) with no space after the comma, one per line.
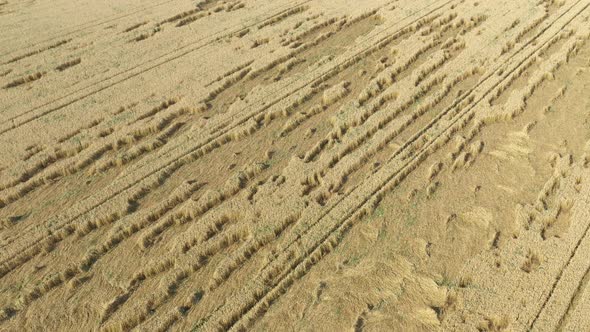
(327,165)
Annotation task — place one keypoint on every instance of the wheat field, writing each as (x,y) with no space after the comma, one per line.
(327,165)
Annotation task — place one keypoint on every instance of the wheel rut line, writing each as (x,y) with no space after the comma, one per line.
(574,301)
(571,304)
(555,283)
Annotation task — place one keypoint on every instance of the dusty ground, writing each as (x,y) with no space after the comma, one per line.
(328,165)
